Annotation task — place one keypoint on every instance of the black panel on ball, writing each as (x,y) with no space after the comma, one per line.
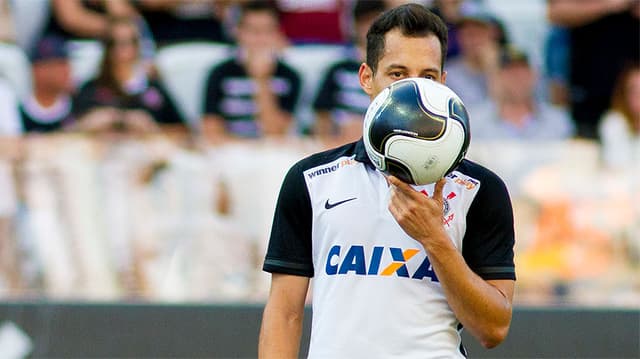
(403,112)
(458,112)
(399,170)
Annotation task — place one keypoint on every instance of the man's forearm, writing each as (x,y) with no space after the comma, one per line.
(480,306)
(279,335)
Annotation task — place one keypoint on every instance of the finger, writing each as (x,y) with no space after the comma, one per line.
(396,204)
(401,186)
(399,200)
(437,192)
(397,196)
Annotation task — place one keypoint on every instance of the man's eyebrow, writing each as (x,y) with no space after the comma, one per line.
(402,67)
(431,69)
(395,66)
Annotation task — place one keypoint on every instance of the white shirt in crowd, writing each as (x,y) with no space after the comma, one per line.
(620,147)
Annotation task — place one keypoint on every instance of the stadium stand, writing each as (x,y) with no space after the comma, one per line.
(15,68)
(183,69)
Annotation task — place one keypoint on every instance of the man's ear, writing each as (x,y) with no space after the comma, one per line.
(443,78)
(365,74)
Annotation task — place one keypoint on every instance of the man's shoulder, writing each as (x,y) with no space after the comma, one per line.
(89,85)
(337,70)
(345,64)
(477,173)
(285,69)
(226,67)
(326,156)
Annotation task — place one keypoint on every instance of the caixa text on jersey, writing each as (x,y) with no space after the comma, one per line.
(352,260)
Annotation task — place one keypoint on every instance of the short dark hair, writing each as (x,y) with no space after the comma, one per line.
(413,20)
(258,6)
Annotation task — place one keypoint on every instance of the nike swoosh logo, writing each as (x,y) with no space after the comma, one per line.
(328,205)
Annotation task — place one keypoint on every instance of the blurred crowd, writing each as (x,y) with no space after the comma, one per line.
(127,127)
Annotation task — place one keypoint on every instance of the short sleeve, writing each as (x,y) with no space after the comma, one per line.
(213,92)
(169,113)
(289,249)
(289,101)
(324,100)
(490,236)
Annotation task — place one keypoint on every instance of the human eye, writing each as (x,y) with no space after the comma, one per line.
(396,75)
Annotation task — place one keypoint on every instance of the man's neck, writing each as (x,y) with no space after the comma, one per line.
(516,112)
(45,98)
(123,74)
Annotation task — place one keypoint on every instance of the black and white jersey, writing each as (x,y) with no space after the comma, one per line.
(230,94)
(375,294)
(340,92)
(36,118)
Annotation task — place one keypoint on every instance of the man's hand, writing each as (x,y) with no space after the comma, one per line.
(99,119)
(139,121)
(419,215)
(482,306)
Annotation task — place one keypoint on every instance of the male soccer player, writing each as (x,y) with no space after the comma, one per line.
(398,270)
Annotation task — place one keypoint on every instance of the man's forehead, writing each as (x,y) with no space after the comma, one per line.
(398,45)
(395,38)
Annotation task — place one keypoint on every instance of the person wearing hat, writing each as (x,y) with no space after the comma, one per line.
(50,106)
(480,39)
(514,111)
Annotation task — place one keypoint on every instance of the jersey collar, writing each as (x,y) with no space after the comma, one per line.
(361,153)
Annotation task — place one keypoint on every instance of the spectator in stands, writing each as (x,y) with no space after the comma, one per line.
(451,12)
(340,103)
(609,29)
(50,107)
(252,93)
(480,39)
(314,21)
(619,128)
(172,21)
(514,112)
(125,95)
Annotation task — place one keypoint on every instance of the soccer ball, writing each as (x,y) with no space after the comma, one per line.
(417,130)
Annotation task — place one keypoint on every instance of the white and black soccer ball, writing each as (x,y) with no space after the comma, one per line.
(417,130)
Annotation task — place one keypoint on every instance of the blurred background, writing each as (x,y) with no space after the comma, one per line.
(143,143)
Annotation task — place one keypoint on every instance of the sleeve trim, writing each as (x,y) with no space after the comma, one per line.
(496,272)
(280,266)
